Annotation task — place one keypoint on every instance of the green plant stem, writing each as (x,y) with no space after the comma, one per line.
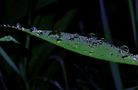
(116,76)
(133,21)
(58,59)
(114,67)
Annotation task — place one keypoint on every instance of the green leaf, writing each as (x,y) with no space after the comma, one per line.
(8,38)
(88,46)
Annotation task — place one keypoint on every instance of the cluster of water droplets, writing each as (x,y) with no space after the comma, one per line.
(36,31)
(124,51)
(17,26)
(90,41)
(55,35)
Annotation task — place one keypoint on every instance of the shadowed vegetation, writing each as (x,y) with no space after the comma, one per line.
(46,58)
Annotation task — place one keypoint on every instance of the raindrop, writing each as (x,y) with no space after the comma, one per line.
(124,48)
(4,25)
(58,40)
(18,26)
(71,39)
(134,57)
(33,29)
(54,34)
(12,26)
(91,35)
(39,32)
(22,29)
(102,40)
(8,26)
(76,35)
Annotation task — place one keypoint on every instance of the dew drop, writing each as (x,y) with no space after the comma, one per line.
(22,29)
(102,40)
(18,26)
(8,26)
(54,34)
(134,57)
(125,48)
(33,29)
(124,51)
(39,32)
(91,35)
(13,27)
(4,25)
(76,35)
(58,40)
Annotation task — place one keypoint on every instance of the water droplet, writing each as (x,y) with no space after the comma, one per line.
(8,26)
(18,26)
(54,33)
(13,27)
(134,57)
(40,32)
(22,29)
(91,35)
(33,29)
(102,39)
(124,51)
(58,40)
(4,25)
(76,35)
(125,48)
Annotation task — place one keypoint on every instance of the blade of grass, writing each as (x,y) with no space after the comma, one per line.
(61,62)
(133,22)
(132,88)
(136,6)
(107,33)
(9,61)
(2,81)
(91,47)
(114,67)
(8,38)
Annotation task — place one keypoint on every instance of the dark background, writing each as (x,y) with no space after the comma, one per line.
(73,16)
